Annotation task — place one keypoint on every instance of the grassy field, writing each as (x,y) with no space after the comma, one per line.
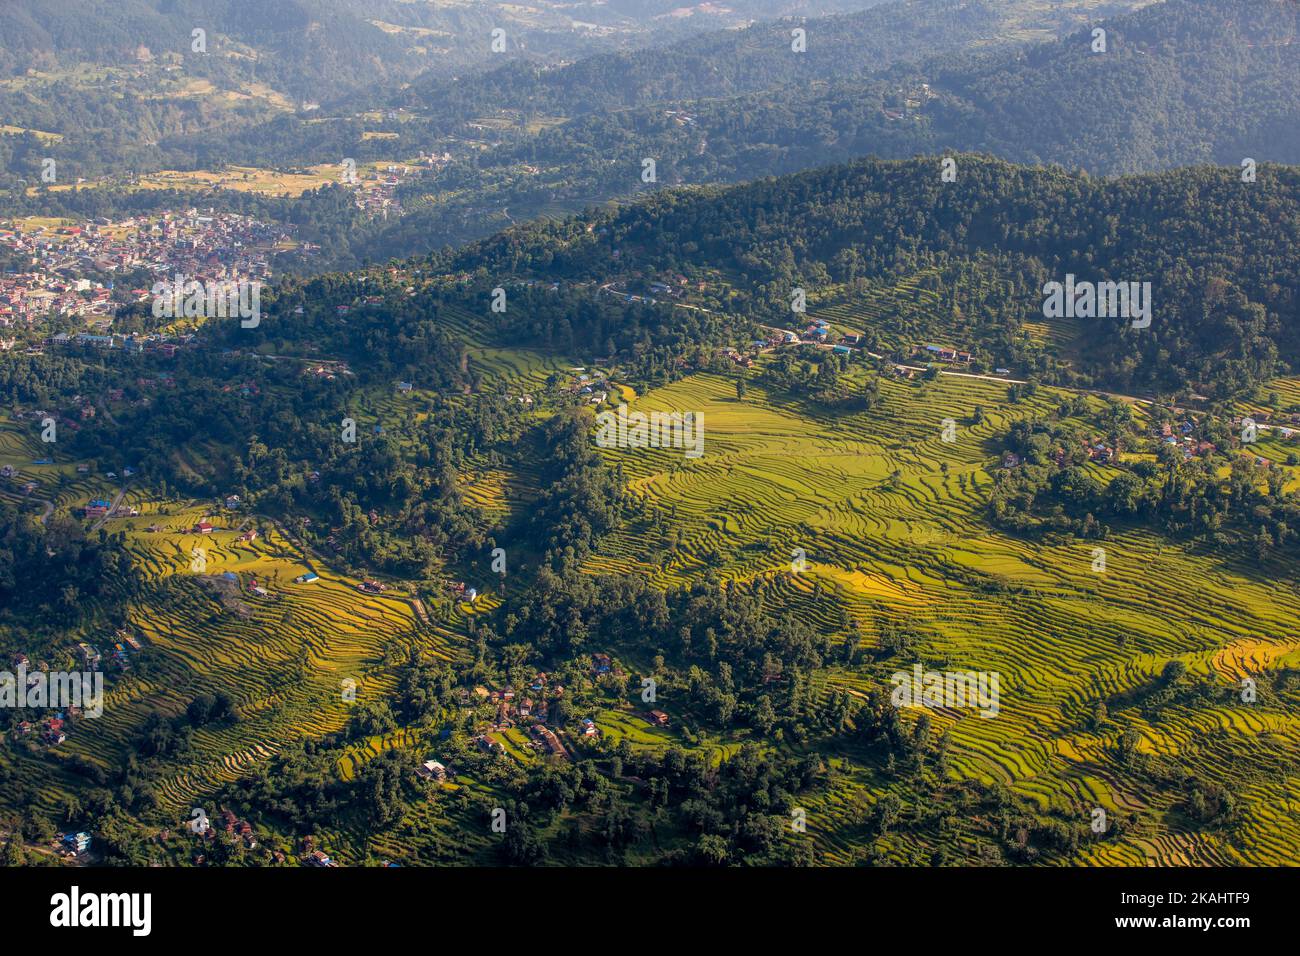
(269,182)
(43,136)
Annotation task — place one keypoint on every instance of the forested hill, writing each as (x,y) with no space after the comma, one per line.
(307,48)
(712,65)
(1219,253)
(724,64)
(126,84)
(121,84)
(1180,83)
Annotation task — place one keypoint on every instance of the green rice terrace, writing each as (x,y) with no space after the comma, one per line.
(853,522)
(890,519)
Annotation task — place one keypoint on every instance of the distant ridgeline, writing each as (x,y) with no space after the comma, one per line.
(718,64)
(128,85)
(1179,83)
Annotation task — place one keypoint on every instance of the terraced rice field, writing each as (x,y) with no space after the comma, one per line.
(520,370)
(889,519)
(282,658)
(59,483)
(776,477)
(893,309)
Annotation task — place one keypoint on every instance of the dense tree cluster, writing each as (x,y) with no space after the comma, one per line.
(1218,321)
(1055,490)
(59,573)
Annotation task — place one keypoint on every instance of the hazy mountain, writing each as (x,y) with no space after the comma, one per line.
(115,78)
(1183,82)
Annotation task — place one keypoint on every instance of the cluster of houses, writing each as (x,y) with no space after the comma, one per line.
(532,710)
(153,382)
(942,353)
(52,730)
(1264,420)
(155,344)
(1100,452)
(327,370)
(673,289)
(742,359)
(29,296)
(119,657)
(463,593)
(376,195)
(236,827)
(97,508)
(310,855)
(508,711)
(1182,435)
(233,827)
(1096,450)
(815,333)
(910,99)
(592,389)
(434,160)
(258,589)
(103,508)
(68,263)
